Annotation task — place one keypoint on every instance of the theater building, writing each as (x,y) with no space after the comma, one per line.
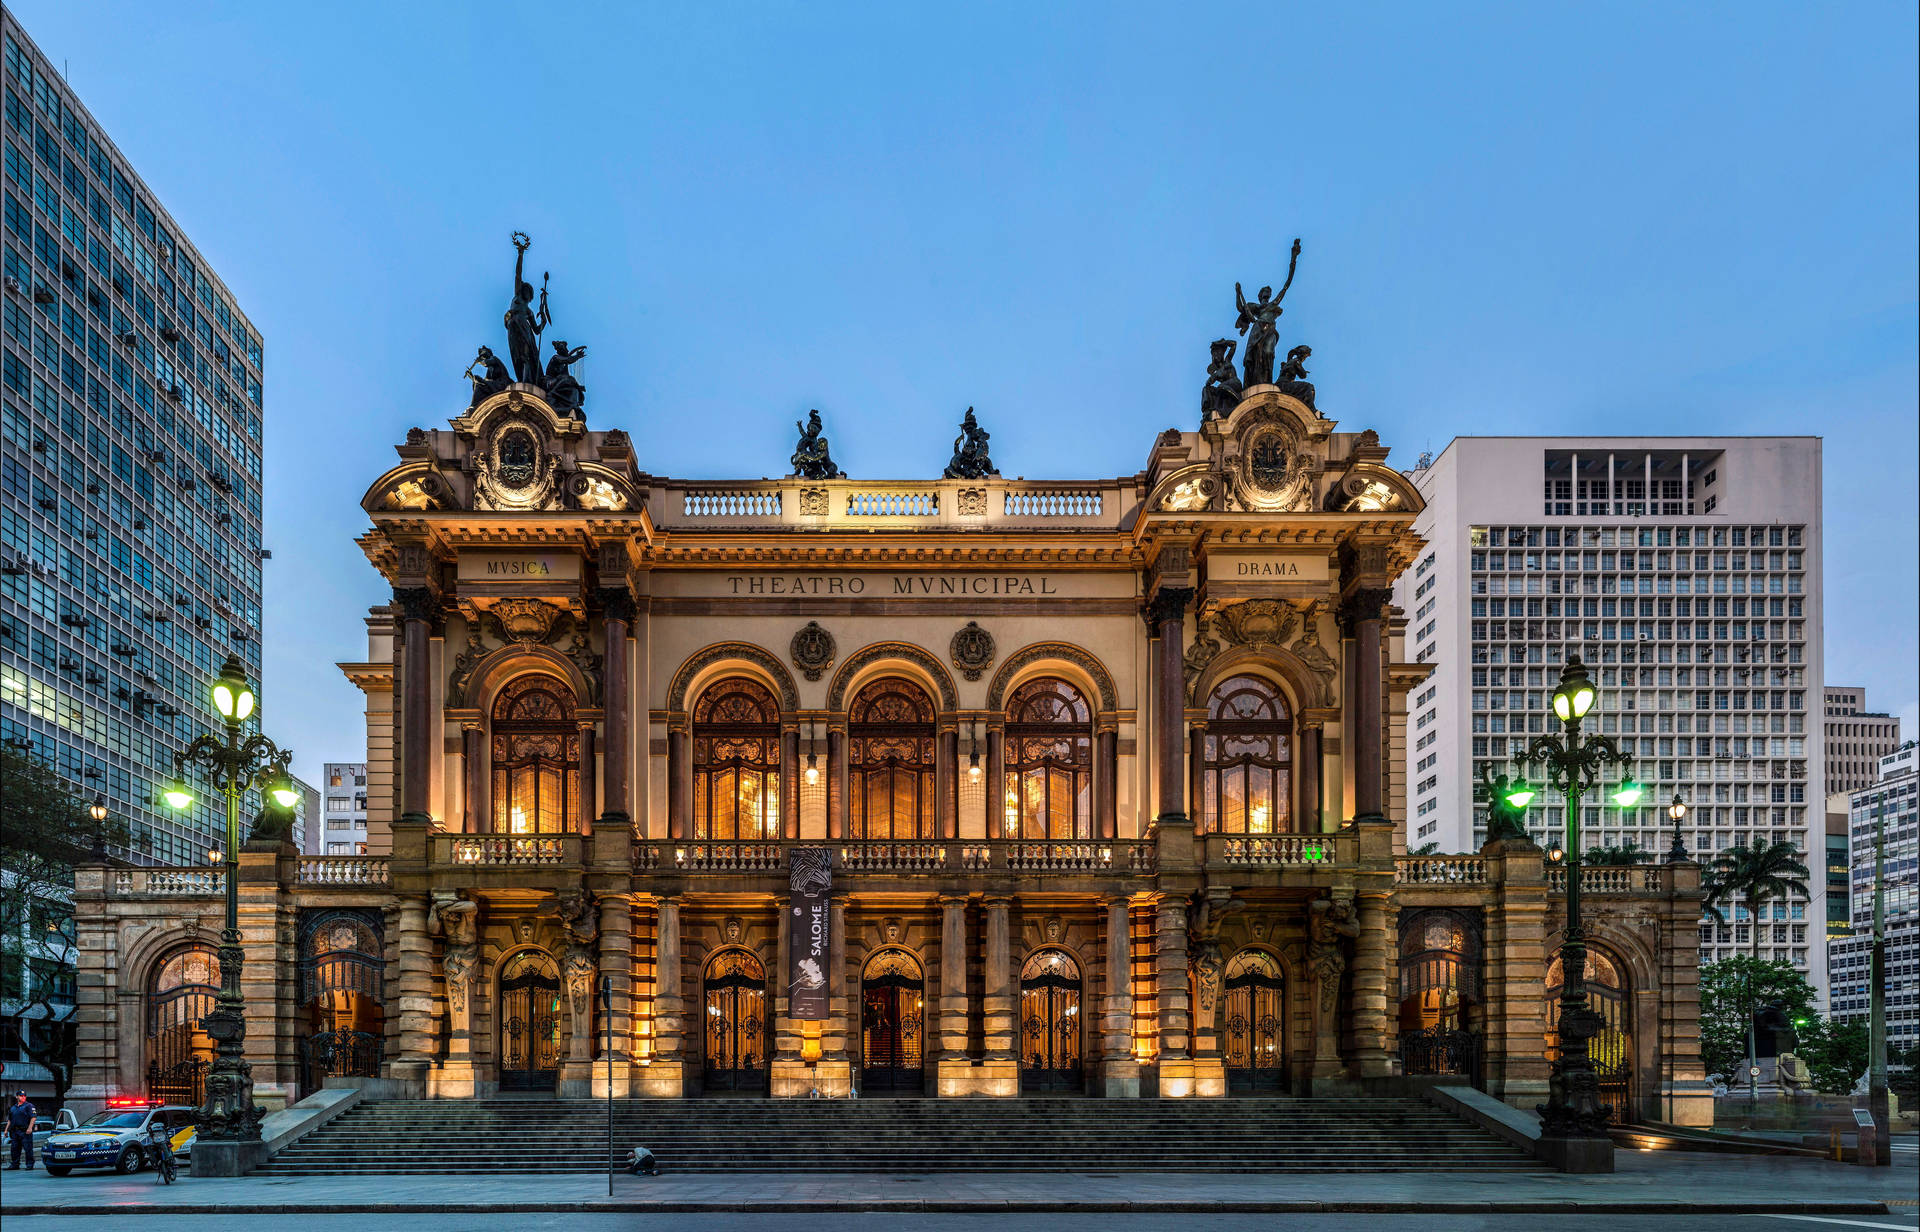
(964,787)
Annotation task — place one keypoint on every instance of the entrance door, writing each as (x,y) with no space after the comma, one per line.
(1050,1023)
(892,1024)
(1611,1048)
(180,994)
(529,1022)
(1256,1053)
(736,1017)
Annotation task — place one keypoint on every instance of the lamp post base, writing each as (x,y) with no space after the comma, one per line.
(227,1158)
(1577,1154)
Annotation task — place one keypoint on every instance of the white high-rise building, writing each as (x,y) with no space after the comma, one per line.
(1887,811)
(1685,572)
(340,829)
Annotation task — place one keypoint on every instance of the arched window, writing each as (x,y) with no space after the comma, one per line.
(1611,1047)
(1246,771)
(179,995)
(1440,992)
(736,762)
(536,757)
(890,763)
(1049,762)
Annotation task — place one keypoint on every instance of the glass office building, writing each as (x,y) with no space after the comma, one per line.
(130,438)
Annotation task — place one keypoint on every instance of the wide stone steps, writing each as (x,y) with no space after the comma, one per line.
(900,1135)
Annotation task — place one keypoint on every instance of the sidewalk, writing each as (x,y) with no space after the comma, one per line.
(1662,1182)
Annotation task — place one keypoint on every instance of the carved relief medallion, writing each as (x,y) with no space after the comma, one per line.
(1273,470)
(972,650)
(812,650)
(515,471)
(526,621)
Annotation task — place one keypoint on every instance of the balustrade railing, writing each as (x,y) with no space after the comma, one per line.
(1271,850)
(1054,503)
(885,856)
(1607,879)
(1440,870)
(892,857)
(700,503)
(748,857)
(344,871)
(169,882)
(893,504)
(512,849)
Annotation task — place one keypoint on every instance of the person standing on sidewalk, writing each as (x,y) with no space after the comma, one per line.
(21,1118)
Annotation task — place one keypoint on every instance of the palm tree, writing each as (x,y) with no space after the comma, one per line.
(1756,872)
(1627,853)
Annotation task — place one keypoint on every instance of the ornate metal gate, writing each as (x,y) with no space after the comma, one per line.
(736,1017)
(1611,1048)
(342,982)
(892,1023)
(179,995)
(1050,1022)
(1440,992)
(529,1022)
(1256,1052)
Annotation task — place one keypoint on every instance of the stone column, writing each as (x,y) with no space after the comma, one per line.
(474,753)
(840,1026)
(1106,778)
(837,781)
(665,1075)
(1176,1021)
(617,605)
(1363,611)
(946,780)
(678,793)
(1310,820)
(996,793)
(790,782)
(1197,775)
(1373,1020)
(1119,1069)
(1000,1003)
(616,967)
(414,1002)
(953,983)
(418,607)
(588,797)
(1166,623)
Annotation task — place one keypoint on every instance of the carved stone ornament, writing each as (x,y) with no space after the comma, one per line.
(1269,624)
(1256,622)
(593,492)
(812,650)
(527,621)
(1054,928)
(973,502)
(1273,471)
(813,502)
(732,929)
(1190,495)
(972,650)
(423,491)
(892,930)
(1314,656)
(515,471)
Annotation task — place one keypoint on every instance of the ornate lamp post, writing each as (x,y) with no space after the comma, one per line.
(235,766)
(1573,1120)
(1677,811)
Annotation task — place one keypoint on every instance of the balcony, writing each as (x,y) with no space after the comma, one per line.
(1610,879)
(1279,851)
(167,883)
(347,872)
(508,850)
(956,858)
(795,504)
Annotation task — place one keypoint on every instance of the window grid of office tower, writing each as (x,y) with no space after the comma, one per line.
(1696,636)
(130,431)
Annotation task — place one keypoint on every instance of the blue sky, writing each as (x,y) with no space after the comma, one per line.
(1517,219)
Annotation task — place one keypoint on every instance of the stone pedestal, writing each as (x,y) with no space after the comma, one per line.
(995,1078)
(454,1079)
(1575,1154)
(658,1080)
(226,1158)
(621,1079)
(1119,1079)
(789,1078)
(576,1079)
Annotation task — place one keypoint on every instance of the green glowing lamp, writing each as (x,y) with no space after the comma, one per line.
(177,795)
(1519,796)
(1627,794)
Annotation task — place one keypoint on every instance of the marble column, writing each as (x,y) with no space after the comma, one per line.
(946,783)
(999,991)
(837,803)
(617,605)
(1363,611)
(1106,779)
(418,608)
(1310,819)
(473,746)
(588,796)
(679,797)
(790,782)
(996,793)
(1166,623)
(953,978)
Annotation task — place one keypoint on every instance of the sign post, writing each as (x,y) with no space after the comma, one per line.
(606,1050)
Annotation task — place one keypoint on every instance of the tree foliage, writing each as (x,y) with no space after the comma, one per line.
(1729,991)
(1626,854)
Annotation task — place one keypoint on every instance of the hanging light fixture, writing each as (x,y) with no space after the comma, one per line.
(813,759)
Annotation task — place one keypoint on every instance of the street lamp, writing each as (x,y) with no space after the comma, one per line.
(1677,853)
(1573,1121)
(235,765)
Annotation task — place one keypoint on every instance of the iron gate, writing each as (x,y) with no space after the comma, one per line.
(529,1022)
(892,1024)
(1050,1023)
(736,1018)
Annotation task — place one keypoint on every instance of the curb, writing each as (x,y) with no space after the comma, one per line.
(941,1207)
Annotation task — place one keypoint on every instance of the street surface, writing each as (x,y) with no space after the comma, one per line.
(732,1222)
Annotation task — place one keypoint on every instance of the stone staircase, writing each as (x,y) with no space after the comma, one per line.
(901,1135)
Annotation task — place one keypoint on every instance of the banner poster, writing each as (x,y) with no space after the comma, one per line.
(812,881)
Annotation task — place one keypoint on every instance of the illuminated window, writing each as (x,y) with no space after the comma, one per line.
(890,763)
(736,762)
(1049,762)
(1246,776)
(536,757)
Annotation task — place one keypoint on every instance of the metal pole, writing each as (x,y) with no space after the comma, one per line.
(606,1050)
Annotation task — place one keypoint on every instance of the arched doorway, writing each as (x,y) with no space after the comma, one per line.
(1049,762)
(1440,998)
(890,767)
(179,995)
(1050,1022)
(1255,1024)
(536,758)
(736,762)
(529,1021)
(343,1017)
(1611,1048)
(1246,771)
(737,1024)
(892,1023)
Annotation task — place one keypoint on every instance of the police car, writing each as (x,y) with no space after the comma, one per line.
(119,1136)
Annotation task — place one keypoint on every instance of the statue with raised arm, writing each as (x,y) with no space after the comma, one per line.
(1263,315)
(565,391)
(811,458)
(492,377)
(970,460)
(523,323)
(1292,379)
(1222,391)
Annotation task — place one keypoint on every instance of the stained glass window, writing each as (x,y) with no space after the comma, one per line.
(1049,762)
(736,762)
(536,757)
(890,780)
(1246,776)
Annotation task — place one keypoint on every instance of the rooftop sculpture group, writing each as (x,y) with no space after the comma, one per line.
(525,323)
(1258,322)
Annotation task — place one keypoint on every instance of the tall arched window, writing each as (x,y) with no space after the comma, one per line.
(736,762)
(890,763)
(1247,764)
(1611,1047)
(1049,761)
(536,757)
(179,994)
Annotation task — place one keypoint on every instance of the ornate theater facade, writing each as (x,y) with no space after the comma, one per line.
(963,787)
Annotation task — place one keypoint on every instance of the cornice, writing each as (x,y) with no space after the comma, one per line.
(369,677)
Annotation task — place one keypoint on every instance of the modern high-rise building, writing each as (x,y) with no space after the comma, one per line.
(341,829)
(1884,812)
(130,437)
(1685,572)
(308,821)
(1857,738)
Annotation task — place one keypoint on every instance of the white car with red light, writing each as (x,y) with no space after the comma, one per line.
(119,1137)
